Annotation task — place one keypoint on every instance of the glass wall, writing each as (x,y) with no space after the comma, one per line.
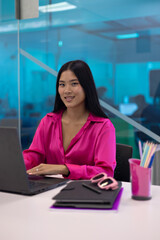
(121,45)
(120,40)
(8,65)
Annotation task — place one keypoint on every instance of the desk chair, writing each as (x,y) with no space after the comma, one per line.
(123,153)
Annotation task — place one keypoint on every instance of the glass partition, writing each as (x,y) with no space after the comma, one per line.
(8,65)
(121,45)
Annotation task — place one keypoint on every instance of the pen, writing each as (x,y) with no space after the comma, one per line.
(140,149)
(151,161)
(91,188)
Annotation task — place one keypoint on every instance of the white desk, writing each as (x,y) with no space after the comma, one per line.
(27,218)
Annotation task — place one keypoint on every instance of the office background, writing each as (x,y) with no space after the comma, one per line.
(120,40)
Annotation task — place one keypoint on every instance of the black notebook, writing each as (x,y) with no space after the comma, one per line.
(84,194)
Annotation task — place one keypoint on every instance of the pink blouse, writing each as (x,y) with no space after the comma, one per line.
(90,152)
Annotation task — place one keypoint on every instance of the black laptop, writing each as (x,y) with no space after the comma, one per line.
(13,176)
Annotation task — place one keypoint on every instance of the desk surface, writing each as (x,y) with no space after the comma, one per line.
(23,218)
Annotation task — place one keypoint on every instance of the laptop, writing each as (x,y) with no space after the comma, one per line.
(13,176)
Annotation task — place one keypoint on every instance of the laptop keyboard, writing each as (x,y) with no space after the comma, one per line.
(34,184)
(45,181)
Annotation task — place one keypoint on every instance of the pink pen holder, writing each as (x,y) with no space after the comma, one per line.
(140,180)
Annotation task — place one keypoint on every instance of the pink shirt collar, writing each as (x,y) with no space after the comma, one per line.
(91,117)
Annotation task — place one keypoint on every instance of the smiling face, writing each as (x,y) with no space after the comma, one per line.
(70,90)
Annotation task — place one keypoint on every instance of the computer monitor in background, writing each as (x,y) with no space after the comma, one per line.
(154,82)
(128,108)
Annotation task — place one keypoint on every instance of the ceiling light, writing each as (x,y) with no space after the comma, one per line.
(57,7)
(60,43)
(127,36)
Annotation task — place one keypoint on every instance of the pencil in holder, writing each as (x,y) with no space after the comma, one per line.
(140,180)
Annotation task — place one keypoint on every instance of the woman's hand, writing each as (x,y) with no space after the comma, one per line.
(48,169)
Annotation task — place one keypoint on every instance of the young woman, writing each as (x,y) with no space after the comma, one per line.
(77,139)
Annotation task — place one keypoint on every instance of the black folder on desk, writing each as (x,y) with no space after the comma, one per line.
(77,195)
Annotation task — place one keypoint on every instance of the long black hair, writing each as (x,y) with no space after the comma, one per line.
(85,78)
